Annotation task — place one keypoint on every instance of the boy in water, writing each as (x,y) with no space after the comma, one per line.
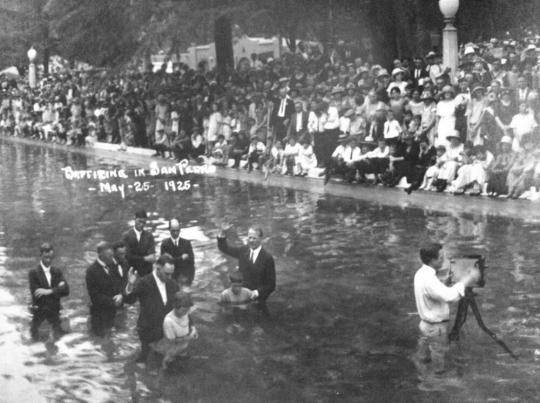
(236,294)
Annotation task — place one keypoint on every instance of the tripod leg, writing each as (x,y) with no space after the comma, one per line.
(461,317)
(482,326)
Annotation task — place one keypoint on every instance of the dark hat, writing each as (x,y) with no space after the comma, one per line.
(182,300)
(141,214)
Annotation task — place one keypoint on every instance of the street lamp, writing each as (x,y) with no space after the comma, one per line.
(32,67)
(449,9)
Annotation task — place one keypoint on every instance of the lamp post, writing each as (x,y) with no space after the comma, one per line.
(449,9)
(32,67)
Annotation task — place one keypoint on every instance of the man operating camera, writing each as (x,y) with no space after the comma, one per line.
(433,303)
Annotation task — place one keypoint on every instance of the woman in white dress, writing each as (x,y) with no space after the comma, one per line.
(306,158)
(446,116)
(214,124)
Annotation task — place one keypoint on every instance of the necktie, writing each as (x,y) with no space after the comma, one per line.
(282,107)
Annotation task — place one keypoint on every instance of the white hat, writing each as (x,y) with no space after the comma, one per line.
(506,139)
(531,47)
(469,50)
(397,70)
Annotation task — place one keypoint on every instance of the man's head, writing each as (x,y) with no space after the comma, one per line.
(105,251)
(432,255)
(164,267)
(255,235)
(174,228)
(46,252)
(140,220)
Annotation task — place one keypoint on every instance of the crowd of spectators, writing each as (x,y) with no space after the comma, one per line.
(414,124)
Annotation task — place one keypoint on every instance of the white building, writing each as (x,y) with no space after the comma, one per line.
(243,47)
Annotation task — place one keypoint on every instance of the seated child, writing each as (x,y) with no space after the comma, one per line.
(220,151)
(178,330)
(236,295)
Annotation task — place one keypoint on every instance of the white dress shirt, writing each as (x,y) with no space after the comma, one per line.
(283,107)
(47,271)
(161,287)
(254,253)
(299,122)
(432,296)
(137,234)
(378,153)
(332,122)
(102,264)
(119,267)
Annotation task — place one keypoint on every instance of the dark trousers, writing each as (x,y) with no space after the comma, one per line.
(102,321)
(147,336)
(180,153)
(372,166)
(40,315)
(252,158)
(339,167)
(324,145)
(497,182)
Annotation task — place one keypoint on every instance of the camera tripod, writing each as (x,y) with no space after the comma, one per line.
(461,317)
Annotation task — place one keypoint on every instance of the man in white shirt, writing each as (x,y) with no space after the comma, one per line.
(375,162)
(432,302)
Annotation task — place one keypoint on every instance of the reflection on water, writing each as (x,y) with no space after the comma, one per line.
(343,325)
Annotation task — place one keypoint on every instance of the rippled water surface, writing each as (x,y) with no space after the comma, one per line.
(343,326)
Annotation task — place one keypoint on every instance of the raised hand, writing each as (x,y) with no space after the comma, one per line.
(118,299)
(132,276)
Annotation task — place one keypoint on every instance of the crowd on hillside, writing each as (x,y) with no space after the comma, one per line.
(414,124)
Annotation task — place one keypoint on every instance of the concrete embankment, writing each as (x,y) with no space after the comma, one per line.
(446,203)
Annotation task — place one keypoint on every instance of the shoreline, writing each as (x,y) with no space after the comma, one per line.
(524,210)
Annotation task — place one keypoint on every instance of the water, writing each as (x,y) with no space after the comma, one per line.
(343,326)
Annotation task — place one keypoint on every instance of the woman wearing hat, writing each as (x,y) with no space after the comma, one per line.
(475,113)
(446,116)
(397,76)
(451,161)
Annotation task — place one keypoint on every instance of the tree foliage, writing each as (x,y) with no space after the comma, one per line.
(110,32)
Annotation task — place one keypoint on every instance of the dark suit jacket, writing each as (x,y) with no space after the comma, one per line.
(417,74)
(152,311)
(260,276)
(136,251)
(124,266)
(37,279)
(292,124)
(181,266)
(289,110)
(102,287)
